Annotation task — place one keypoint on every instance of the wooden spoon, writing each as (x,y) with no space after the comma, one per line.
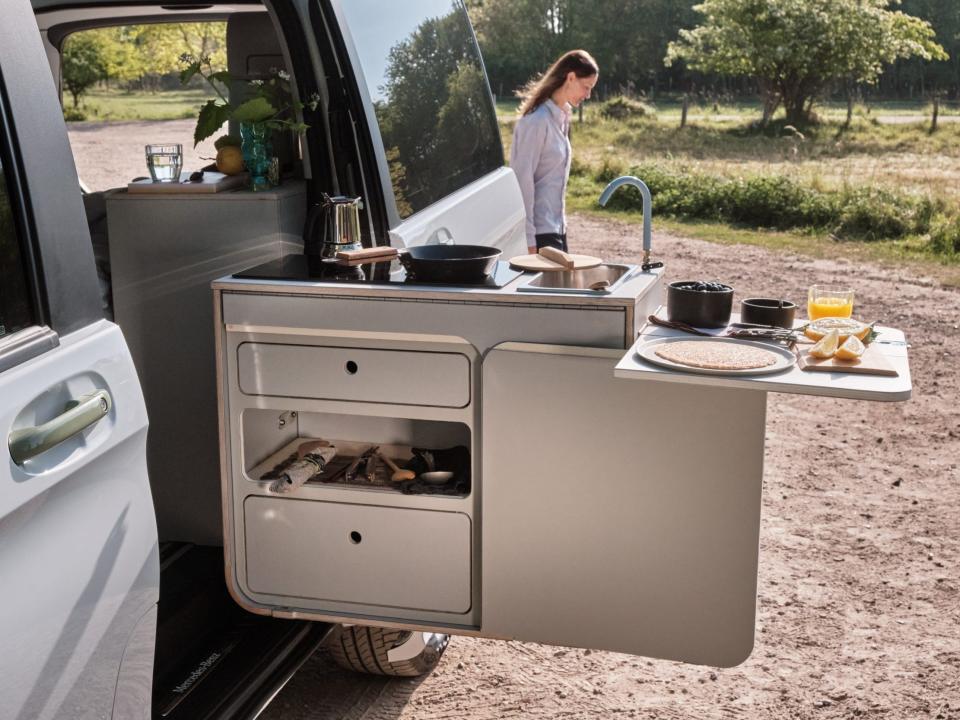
(398,474)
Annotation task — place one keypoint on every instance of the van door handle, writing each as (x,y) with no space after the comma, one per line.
(441,237)
(77,416)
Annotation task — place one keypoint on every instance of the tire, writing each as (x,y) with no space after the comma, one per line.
(365,649)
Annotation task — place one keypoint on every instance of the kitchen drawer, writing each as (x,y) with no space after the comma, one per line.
(337,552)
(342,373)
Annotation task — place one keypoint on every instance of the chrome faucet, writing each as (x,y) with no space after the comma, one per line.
(647,212)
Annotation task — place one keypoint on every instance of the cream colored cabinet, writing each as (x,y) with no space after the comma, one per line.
(617,514)
(593,519)
(348,553)
(613,505)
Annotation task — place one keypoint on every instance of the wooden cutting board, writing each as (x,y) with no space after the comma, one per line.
(872,362)
(538,263)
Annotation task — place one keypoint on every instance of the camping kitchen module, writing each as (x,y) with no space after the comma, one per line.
(608,503)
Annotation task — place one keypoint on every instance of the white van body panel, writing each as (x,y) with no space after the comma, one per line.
(488,211)
(77,533)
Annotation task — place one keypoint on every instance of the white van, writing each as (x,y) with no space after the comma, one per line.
(114,601)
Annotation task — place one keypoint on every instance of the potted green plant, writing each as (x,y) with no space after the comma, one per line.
(269,107)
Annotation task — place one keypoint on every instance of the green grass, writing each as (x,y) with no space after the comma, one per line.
(913,167)
(910,251)
(905,159)
(109,104)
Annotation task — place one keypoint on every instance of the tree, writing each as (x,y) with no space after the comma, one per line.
(911,76)
(81,64)
(433,114)
(520,38)
(797,48)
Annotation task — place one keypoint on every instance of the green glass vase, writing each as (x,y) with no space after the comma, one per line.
(255,144)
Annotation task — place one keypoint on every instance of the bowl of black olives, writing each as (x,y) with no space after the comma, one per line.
(699,303)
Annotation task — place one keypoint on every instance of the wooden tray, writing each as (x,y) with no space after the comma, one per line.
(212,182)
(538,263)
(872,362)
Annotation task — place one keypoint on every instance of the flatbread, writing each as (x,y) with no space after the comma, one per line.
(716,355)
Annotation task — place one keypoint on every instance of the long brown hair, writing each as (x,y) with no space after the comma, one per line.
(536,92)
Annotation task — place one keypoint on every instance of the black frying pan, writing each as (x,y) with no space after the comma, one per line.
(449,263)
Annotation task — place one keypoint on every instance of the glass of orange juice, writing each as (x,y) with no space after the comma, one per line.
(829,302)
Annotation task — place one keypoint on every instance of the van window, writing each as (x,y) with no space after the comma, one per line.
(423,71)
(15,306)
(121,91)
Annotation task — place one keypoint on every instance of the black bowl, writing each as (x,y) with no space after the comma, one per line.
(768,311)
(708,308)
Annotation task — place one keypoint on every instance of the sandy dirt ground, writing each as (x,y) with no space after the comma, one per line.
(859,590)
(109,155)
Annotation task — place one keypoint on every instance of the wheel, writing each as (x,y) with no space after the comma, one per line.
(382,651)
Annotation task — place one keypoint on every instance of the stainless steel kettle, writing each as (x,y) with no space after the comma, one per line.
(333,226)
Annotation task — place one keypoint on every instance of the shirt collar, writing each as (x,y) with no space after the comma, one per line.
(559,114)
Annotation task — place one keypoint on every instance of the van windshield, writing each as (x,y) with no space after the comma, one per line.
(422,68)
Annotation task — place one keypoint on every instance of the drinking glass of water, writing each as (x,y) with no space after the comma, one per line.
(164,162)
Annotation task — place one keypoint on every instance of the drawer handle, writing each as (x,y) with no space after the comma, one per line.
(355,537)
(351,367)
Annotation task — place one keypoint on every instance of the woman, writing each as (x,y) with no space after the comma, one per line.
(540,154)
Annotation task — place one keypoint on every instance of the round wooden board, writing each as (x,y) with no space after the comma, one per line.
(538,263)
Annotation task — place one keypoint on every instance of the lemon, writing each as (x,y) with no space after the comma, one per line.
(851,349)
(827,345)
(230,160)
(845,327)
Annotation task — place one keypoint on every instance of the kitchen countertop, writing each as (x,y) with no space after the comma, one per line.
(890,341)
(626,294)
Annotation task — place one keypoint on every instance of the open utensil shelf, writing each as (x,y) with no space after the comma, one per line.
(334,473)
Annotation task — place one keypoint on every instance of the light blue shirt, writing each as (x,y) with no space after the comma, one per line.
(540,158)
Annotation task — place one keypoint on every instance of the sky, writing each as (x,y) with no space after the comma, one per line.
(377,26)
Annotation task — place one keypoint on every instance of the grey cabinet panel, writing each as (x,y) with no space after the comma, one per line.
(164,252)
(620,515)
(365,554)
(347,373)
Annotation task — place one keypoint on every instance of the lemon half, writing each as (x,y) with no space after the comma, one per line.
(827,345)
(845,327)
(851,349)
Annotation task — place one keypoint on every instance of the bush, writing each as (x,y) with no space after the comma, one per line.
(945,235)
(620,107)
(775,201)
(877,214)
(578,168)
(74,114)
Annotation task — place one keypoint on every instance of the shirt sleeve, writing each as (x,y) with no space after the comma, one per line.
(528,138)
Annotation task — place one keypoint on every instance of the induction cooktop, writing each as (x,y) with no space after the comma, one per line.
(309,269)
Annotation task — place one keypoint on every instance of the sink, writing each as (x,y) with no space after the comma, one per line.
(579,281)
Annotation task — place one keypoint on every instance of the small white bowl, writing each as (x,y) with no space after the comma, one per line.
(436,477)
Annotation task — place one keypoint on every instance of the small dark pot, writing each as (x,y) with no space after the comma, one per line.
(699,308)
(768,311)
